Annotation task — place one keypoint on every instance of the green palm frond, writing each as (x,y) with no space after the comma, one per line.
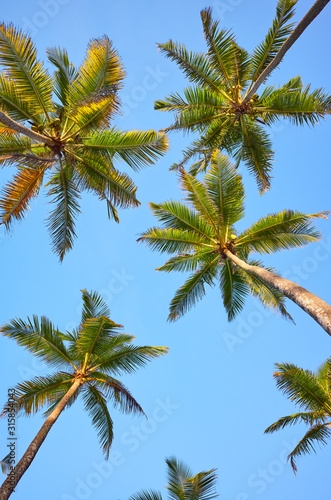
(306,417)
(318,434)
(146,495)
(120,357)
(202,486)
(100,74)
(93,306)
(61,220)
(99,177)
(173,240)
(276,36)
(12,103)
(94,333)
(65,73)
(185,261)
(32,396)
(96,407)
(234,289)
(226,189)
(222,49)
(195,66)
(284,230)
(301,106)
(19,57)
(92,115)
(194,288)
(198,196)
(11,145)
(41,338)
(255,150)
(16,195)
(116,392)
(136,148)
(197,99)
(178,473)
(302,387)
(176,215)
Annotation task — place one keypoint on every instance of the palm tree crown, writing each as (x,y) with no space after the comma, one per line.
(182,485)
(204,240)
(312,393)
(65,140)
(218,106)
(94,355)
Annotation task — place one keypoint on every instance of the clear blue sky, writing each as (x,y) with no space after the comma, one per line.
(208,401)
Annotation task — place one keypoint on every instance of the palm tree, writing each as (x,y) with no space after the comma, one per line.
(182,485)
(59,130)
(219,106)
(88,359)
(204,240)
(312,393)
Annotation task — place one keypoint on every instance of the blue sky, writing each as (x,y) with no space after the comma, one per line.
(210,399)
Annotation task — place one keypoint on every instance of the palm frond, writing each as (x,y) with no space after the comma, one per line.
(185,261)
(65,74)
(178,473)
(12,102)
(284,230)
(41,338)
(101,178)
(234,289)
(202,486)
(116,392)
(61,220)
(318,434)
(301,387)
(16,195)
(19,57)
(146,495)
(173,240)
(276,36)
(136,148)
(31,396)
(100,74)
(195,66)
(119,356)
(93,335)
(194,288)
(309,418)
(176,215)
(226,189)
(96,407)
(93,306)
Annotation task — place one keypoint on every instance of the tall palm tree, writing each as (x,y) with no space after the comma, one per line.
(219,106)
(59,130)
(182,485)
(312,393)
(88,360)
(204,240)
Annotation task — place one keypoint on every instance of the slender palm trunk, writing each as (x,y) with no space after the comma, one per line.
(319,310)
(22,129)
(299,29)
(15,475)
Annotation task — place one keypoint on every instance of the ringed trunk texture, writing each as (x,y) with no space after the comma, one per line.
(319,310)
(10,483)
(22,129)
(298,30)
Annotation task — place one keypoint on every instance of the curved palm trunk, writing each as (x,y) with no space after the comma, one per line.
(299,29)
(319,310)
(22,129)
(9,484)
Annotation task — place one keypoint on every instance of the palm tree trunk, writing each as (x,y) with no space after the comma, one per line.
(303,24)
(22,129)
(319,310)
(10,483)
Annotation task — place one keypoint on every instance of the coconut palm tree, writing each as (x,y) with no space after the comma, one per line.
(58,130)
(219,106)
(204,240)
(182,485)
(312,393)
(88,361)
